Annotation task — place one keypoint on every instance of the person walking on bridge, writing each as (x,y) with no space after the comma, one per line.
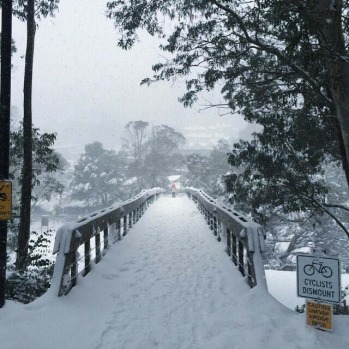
(173,190)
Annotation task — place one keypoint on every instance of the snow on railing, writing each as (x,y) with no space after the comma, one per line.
(111,224)
(244,238)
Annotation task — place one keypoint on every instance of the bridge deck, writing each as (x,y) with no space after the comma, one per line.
(168,284)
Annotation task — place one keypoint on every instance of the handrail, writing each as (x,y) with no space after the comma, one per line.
(244,238)
(114,221)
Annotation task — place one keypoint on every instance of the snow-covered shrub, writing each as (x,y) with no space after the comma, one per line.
(34,279)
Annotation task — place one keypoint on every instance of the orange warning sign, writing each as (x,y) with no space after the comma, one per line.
(5,200)
(319,315)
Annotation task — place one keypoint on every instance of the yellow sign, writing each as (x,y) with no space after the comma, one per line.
(319,315)
(5,200)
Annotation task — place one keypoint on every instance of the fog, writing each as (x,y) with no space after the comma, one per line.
(86,89)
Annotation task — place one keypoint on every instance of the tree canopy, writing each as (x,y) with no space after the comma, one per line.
(283,65)
(98,175)
(266,55)
(152,152)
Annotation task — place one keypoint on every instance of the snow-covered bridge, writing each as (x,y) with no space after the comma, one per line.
(167,284)
(243,238)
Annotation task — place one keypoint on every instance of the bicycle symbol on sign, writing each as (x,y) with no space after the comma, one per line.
(3,196)
(309,269)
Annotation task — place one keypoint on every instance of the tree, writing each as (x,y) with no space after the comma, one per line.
(199,169)
(282,65)
(98,175)
(46,162)
(262,53)
(160,160)
(13,47)
(288,233)
(5,106)
(219,165)
(208,172)
(286,171)
(24,226)
(27,10)
(152,153)
(135,145)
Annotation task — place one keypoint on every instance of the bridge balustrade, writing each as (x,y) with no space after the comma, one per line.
(99,229)
(244,238)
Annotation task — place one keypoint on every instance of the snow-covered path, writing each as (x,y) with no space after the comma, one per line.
(168,284)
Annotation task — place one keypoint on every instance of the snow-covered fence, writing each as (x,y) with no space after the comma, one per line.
(111,224)
(244,238)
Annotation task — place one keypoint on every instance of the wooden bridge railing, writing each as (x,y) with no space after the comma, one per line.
(99,229)
(243,237)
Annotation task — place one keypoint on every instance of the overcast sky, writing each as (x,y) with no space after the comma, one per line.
(86,88)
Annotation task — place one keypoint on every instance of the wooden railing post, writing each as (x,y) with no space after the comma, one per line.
(98,246)
(241,258)
(228,249)
(87,247)
(219,230)
(214,225)
(106,237)
(70,272)
(251,270)
(118,230)
(124,225)
(130,220)
(234,248)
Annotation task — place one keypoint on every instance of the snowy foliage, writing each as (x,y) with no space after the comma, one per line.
(207,172)
(34,278)
(153,154)
(98,176)
(46,164)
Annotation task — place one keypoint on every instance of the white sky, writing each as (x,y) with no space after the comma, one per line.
(86,88)
(168,284)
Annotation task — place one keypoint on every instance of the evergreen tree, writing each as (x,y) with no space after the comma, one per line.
(98,176)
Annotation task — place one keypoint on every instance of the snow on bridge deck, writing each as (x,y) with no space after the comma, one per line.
(168,284)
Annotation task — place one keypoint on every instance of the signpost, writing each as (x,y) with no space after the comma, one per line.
(319,278)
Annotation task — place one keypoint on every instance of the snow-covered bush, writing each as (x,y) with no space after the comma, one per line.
(34,279)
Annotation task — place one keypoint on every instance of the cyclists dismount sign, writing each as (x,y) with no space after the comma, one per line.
(318,278)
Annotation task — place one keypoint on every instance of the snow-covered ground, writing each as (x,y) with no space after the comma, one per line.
(168,284)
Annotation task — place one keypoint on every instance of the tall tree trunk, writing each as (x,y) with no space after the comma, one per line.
(24,227)
(331,38)
(5,107)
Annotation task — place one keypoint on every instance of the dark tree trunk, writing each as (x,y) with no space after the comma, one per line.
(331,38)
(6,28)
(24,227)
